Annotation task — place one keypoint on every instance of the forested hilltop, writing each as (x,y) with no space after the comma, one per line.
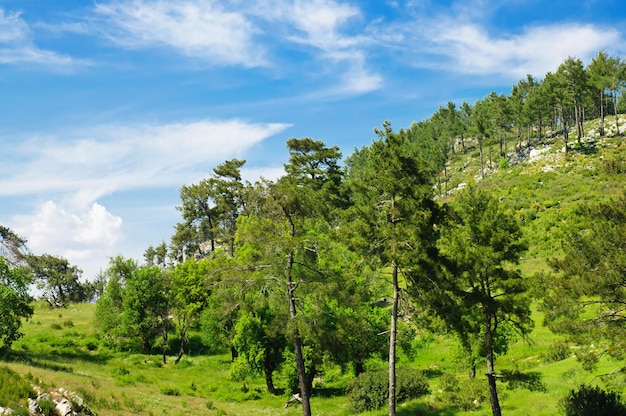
(471,263)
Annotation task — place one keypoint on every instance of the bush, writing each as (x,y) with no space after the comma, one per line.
(14,390)
(465,395)
(170,391)
(20,411)
(593,401)
(370,390)
(558,351)
(613,165)
(47,406)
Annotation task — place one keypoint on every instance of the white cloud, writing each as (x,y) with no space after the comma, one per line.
(469,48)
(326,26)
(247,33)
(196,28)
(83,235)
(459,40)
(89,163)
(17,45)
(74,170)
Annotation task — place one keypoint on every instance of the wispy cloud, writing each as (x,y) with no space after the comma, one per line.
(248,33)
(100,160)
(459,39)
(17,45)
(74,170)
(335,31)
(469,48)
(196,28)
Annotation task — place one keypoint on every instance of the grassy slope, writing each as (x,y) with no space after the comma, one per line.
(543,193)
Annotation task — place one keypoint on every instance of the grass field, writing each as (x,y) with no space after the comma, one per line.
(60,349)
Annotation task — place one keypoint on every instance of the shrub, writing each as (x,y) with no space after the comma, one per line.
(466,395)
(558,351)
(593,401)
(47,406)
(170,391)
(14,390)
(369,391)
(613,165)
(20,411)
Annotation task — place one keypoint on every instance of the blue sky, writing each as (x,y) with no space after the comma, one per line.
(108,107)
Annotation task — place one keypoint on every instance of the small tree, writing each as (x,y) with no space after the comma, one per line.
(585,296)
(146,306)
(392,216)
(483,298)
(59,281)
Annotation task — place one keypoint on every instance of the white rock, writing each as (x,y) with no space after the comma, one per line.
(33,407)
(64,407)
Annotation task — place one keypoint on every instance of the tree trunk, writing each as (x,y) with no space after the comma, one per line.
(601,113)
(392,342)
(579,123)
(482,164)
(565,132)
(615,109)
(359,367)
(269,381)
(297,340)
(491,374)
(164,335)
(181,350)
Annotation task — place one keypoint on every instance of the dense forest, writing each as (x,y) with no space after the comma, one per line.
(346,262)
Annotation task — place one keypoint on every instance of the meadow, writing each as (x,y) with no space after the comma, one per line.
(60,349)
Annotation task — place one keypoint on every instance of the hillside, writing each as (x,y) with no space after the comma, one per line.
(544,186)
(541,184)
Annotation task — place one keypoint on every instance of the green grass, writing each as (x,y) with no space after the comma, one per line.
(120,384)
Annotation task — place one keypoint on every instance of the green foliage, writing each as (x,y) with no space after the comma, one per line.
(593,401)
(15,303)
(369,391)
(557,351)
(170,391)
(614,165)
(59,281)
(20,411)
(47,406)
(466,394)
(584,297)
(14,390)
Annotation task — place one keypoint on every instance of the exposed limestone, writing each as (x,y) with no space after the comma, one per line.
(66,403)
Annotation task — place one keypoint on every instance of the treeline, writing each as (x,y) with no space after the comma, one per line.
(338,263)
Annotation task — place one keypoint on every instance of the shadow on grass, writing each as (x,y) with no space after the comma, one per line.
(329,392)
(529,381)
(54,361)
(433,372)
(585,148)
(412,409)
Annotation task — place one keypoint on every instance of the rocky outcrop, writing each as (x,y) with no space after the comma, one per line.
(66,403)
